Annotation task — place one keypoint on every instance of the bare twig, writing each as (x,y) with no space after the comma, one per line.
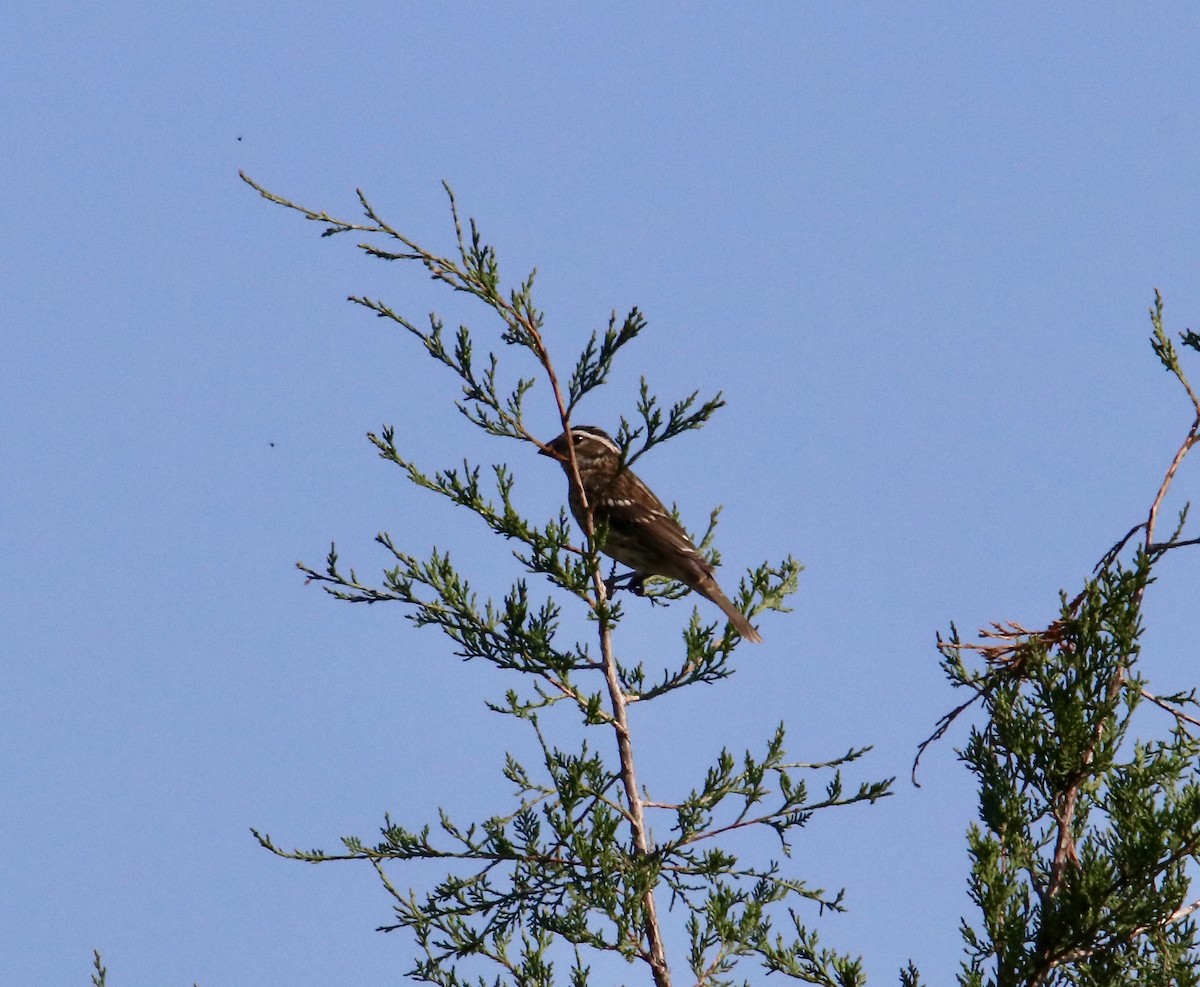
(1183,450)
(1170,708)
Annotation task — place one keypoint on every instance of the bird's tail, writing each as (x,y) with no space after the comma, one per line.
(712,591)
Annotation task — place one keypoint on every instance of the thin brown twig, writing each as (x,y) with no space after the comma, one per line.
(943,725)
(1183,450)
(1163,546)
(1110,556)
(655,952)
(1173,710)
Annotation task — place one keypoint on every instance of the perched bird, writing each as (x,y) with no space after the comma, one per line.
(639,530)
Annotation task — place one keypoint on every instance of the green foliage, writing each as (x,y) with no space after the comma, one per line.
(100,971)
(575,868)
(1086,832)
(1080,858)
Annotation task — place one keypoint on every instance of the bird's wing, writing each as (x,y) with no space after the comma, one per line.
(640,517)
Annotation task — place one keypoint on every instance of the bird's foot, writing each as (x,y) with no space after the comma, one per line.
(635,582)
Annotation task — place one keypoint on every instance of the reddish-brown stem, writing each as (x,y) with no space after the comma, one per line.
(1190,441)
(655,952)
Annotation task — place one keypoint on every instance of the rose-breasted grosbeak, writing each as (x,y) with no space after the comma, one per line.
(638,531)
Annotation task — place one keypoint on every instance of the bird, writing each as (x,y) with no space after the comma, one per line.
(638,531)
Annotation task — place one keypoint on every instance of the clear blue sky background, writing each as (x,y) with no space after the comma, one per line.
(914,245)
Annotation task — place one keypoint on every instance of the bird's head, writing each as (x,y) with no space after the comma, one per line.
(590,442)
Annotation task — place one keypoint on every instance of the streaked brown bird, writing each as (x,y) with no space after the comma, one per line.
(639,530)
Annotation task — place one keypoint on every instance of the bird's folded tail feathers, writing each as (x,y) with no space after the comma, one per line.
(713,592)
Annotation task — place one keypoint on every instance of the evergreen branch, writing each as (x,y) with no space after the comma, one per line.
(595,362)
(1165,350)
(551,552)
(654,430)
(575,861)
(694,815)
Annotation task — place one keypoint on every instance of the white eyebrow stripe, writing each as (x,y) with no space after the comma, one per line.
(584,432)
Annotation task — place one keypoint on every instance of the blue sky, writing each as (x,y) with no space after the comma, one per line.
(914,245)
